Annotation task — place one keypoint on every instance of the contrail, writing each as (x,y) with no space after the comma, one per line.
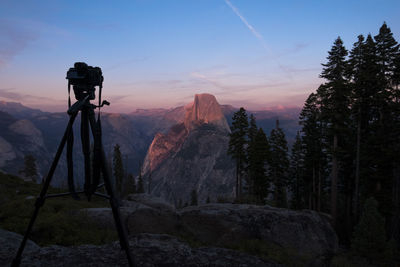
(257,35)
(248,25)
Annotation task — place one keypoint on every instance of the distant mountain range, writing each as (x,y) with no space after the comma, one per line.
(31,131)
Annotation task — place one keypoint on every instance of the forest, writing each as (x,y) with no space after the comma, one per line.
(345,159)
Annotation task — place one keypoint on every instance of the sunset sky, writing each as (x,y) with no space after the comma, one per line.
(159,53)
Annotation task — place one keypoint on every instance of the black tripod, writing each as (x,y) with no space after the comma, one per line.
(87,118)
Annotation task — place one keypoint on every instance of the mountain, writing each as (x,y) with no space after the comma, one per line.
(18,110)
(192,155)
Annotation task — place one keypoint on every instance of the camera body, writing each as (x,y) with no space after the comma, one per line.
(84,78)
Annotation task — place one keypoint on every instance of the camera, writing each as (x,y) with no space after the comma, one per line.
(84,78)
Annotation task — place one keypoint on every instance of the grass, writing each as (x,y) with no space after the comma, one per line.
(59,220)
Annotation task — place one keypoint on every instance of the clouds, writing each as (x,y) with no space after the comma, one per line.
(48,103)
(12,94)
(229,85)
(14,39)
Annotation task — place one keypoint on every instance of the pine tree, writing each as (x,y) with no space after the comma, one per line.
(279,165)
(130,185)
(193,198)
(237,145)
(118,169)
(253,129)
(257,162)
(296,172)
(334,96)
(369,239)
(140,184)
(364,84)
(30,170)
(394,230)
(387,130)
(251,136)
(258,156)
(149,184)
(387,50)
(314,146)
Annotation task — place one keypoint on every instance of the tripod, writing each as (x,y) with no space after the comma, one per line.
(87,118)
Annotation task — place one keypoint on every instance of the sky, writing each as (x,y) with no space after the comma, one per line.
(159,53)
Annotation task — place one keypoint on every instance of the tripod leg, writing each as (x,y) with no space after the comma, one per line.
(86,148)
(123,237)
(40,200)
(70,165)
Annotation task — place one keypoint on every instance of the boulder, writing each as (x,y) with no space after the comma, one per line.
(9,244)
(150,201)
(307,232)
(142,213)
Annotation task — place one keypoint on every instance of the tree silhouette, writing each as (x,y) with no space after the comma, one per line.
(118,169)
(30,170)
(193,198)
(140,184)
(259,154)
(130,185)
(279,165)
(296,172)
(334,96)
(237,145)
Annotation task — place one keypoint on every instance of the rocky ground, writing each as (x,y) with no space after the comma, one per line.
(148,250)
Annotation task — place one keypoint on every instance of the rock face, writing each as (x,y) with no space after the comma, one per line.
(148,250)
(7,152)
(205,109)
(20,137)
(164,146)
(33,137)
(192,156)
(306,232)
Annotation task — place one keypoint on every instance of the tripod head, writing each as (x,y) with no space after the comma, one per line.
(84,78)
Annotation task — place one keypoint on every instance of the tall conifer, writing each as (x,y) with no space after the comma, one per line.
(314,147)
(279,165)
(258,158)
(237,145)
(30,169)
(387,131)
(118,168)
(335,104)
(296,172)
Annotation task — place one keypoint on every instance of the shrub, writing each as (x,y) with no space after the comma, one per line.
(369,238)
